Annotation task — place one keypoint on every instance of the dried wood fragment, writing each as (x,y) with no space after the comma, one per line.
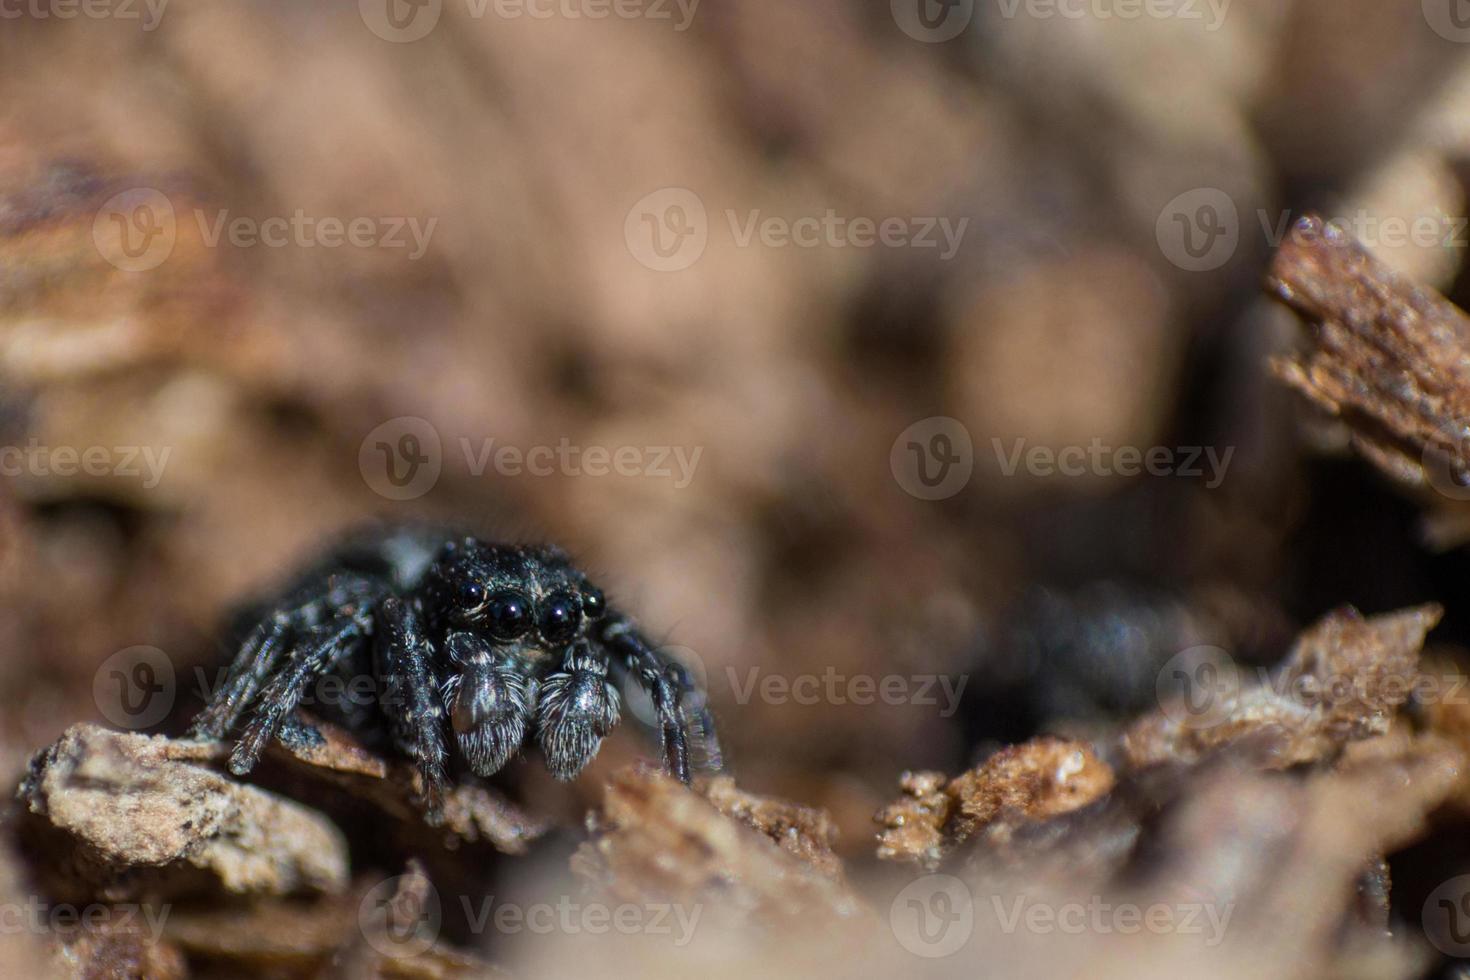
(657,840)
(1037,780)
(1389,358)
(1343,681)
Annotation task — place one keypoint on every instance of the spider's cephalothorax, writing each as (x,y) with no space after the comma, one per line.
(479,643)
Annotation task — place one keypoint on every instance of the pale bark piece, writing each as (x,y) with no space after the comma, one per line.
(136,817)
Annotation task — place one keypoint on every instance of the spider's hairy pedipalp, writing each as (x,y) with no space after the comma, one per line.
(490,702)
(578,708)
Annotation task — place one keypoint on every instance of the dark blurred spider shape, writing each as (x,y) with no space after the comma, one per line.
(493,639)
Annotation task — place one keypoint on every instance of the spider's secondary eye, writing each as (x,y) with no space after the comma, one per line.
(508,615)
(593,603)
(560,618)
(471,595)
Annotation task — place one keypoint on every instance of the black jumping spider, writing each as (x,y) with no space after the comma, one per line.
(492,639)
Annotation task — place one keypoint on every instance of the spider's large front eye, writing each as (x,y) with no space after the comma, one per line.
(560,618)
(508,615)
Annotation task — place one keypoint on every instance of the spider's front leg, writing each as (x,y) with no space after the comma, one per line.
(410,689)
(247,672)
(315,651)
(668,683)
(303,634)
(275,629)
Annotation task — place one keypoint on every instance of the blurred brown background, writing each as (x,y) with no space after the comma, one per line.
(539,156)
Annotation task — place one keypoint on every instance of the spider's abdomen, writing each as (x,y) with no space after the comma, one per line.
(400,554)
